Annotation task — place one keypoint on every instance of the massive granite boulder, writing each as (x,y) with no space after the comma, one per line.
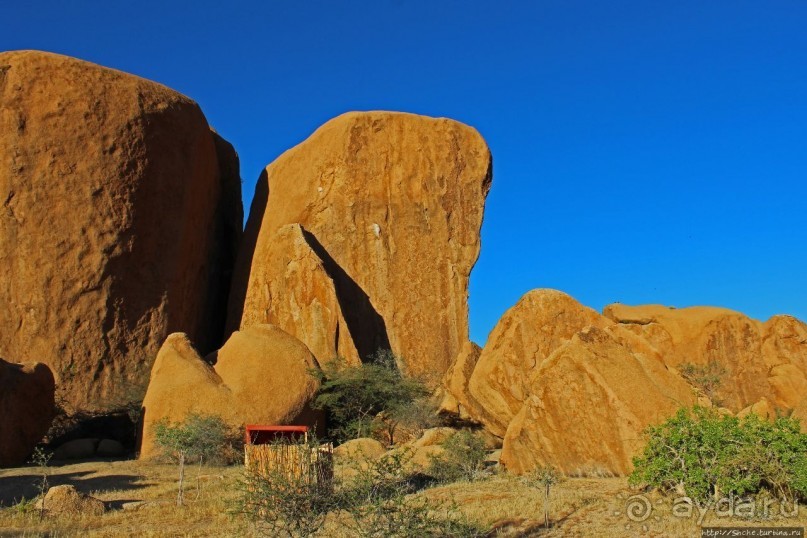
(26,409)
(120,218)
(260,376)
(524,337)
(391,204)
(754,360)
(588,405)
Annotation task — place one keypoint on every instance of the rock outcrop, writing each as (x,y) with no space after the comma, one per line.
(119,222)
(588,404)
(566,386)
(26,409)
(800,413)
(302,297)
(67,500)
(524,337)
(358,450)
(756,360)
(260,376)
(455,397)
(391,204)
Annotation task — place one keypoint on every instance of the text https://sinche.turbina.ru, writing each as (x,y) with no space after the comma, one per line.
(641,511)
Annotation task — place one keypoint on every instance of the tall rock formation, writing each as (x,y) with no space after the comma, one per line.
(119,222)
(391,204)
(26,409)
(261,376)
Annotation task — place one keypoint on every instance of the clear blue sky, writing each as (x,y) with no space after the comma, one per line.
(643,151)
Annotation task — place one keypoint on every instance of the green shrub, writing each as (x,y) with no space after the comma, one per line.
(708,377)
(41,459)
(377,501)
(198,437)
(463,458)
(368,397)
(709,455)
(544,478)
(380,504)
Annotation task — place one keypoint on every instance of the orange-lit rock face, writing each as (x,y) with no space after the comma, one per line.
(297,294)
(261,376)
(528,333)
(455,399)
(117,225)
(800,413)
(392,205)
(26,409)
(567,387)
(760,360)
(588,405)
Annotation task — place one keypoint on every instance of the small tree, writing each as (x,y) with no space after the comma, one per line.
(463,458)
(198,436)
(707,377)
(415,417)
(709,455)
(41,459)
(545,478)
(360,398)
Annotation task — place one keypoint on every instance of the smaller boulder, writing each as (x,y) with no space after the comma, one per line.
(77,449)
(432,437)
(262,375)
(763,409)
(590,402)
(417,459)
(26,409)
(67,500)
(109,448)
(360,449)
(493,458)
(541,322)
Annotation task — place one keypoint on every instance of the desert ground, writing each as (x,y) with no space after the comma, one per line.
(141,501)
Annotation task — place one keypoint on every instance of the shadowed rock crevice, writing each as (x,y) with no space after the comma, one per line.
(246,253)
(229,222)
(366,326)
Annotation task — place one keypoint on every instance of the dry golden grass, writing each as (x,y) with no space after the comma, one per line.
(580,507)
(126,481)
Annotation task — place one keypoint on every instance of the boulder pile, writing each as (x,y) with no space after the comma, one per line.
(568,387)
(260,376)
(125,266)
